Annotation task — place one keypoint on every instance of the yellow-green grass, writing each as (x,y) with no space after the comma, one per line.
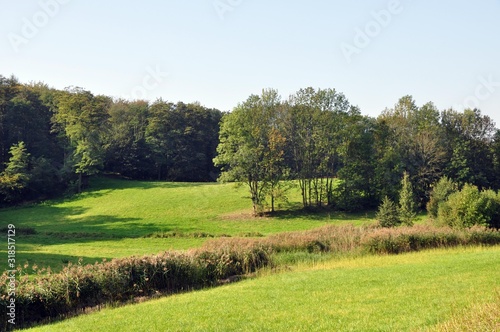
(113,218)
(409,292)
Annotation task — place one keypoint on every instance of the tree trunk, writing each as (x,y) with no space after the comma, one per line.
(80,176)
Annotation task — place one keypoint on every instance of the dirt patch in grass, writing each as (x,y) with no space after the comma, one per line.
(241,215)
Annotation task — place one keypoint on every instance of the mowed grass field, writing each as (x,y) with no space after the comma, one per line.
(114,217)
(410,292)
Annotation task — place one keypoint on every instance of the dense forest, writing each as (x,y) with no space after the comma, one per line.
(52,140)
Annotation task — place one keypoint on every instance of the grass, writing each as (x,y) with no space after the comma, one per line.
(50,295)
(313,291)
(479,317)
(408,292)
(115,217)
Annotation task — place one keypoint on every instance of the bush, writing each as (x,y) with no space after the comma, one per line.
(388,214)
(470,207)
(408,239)
(440,193)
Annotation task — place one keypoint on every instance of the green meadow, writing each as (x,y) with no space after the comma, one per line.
(119,218)
(301,291)
(410,292)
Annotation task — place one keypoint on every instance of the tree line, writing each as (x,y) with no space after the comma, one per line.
(348,161)
(52,140)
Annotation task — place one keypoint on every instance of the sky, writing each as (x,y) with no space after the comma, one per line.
(219,52)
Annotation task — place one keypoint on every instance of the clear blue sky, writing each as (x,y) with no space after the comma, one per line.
(218,52)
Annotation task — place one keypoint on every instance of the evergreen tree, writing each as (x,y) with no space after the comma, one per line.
(14,179)
(407,207)
(388,214)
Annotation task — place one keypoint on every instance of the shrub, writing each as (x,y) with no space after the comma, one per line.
(440,193)
(407,239)
(492,207)
(470,207)
(388,214)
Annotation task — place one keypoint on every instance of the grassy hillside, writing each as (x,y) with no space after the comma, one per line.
(114,218)
(407,292)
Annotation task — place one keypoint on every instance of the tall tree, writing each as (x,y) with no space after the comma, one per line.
(495,149)
(183,139)
(14,179)
(125,141)
(9,88)
(356,176)
(407,208)
(313,122)
(250,146)
(412,140)
(83,117)
(469,136)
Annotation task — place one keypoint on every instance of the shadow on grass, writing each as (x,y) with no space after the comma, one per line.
(103,183)
(50,225)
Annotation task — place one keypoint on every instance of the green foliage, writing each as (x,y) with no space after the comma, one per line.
(407,207)
(180,140)
(15,178)
(356,175)
(339,158)
(440,193)
(407,239)
(327,138)
(469,207)
(251,148)
(409,137)
(72,134)
(82,117)
(469,137)
(388,214)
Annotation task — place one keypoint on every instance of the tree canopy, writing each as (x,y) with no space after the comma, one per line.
(52,141)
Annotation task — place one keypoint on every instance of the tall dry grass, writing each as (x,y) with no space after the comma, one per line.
(366,239)
(479,318)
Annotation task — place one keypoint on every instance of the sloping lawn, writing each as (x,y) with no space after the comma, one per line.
(114,217)
(373,293)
